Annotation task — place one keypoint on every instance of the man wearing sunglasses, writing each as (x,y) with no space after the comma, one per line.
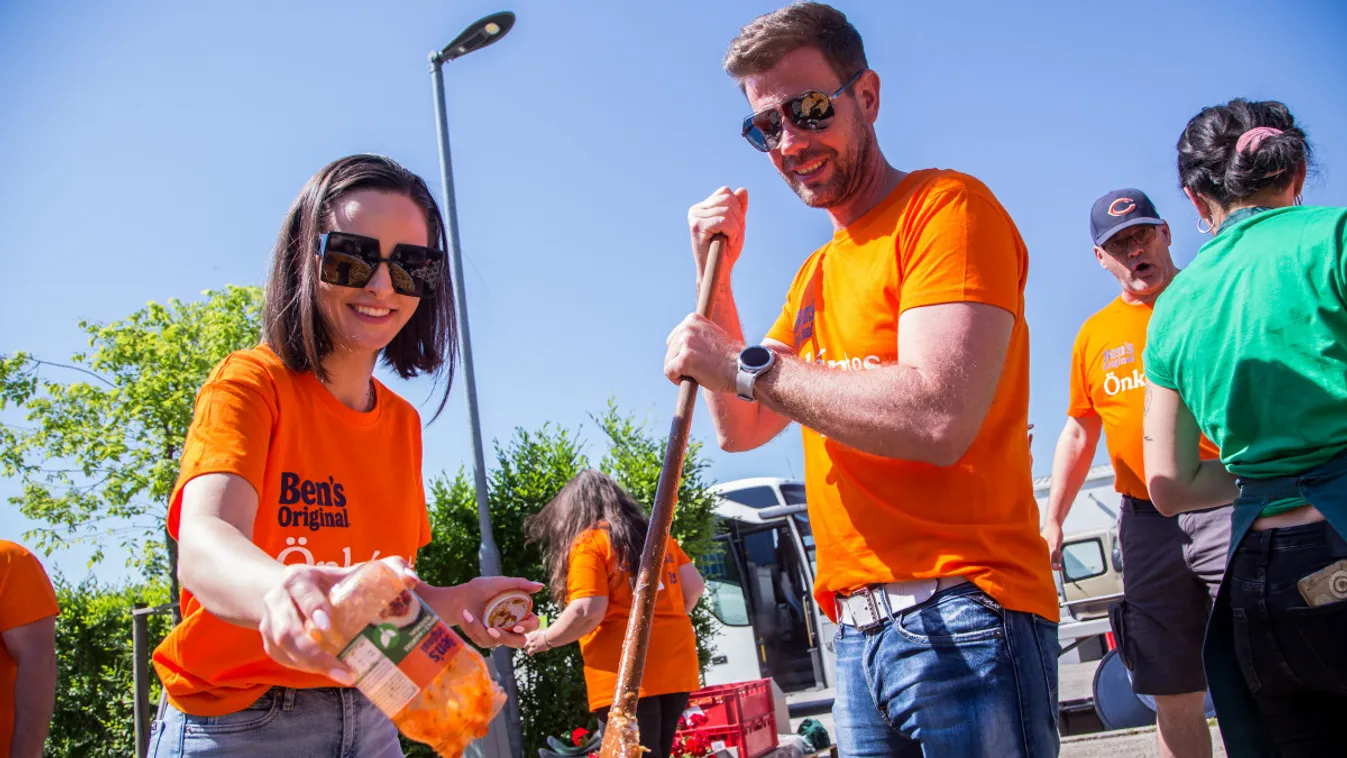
(1172,566)
(903,353)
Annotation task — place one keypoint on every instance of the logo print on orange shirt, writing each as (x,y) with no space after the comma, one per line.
(1113,385)
(323,503)
(1119,356)
(668,572)
(1127,206)
(804,325)
(299,548)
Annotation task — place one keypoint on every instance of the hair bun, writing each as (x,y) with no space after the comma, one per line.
(1233,151)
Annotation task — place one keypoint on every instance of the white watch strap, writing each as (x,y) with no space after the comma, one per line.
(743,384)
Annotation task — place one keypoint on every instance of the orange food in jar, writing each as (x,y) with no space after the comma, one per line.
(408,662)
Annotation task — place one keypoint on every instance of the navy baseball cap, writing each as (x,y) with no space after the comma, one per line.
(1118,210)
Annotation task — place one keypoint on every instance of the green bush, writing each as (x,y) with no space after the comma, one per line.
(93,717)
(94,690)
(529,471)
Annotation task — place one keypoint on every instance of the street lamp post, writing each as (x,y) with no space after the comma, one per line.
(478,35)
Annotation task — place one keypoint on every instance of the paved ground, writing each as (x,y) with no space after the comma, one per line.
(1075,680)
(1129,743)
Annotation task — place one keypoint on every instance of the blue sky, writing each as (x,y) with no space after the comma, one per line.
(150,151)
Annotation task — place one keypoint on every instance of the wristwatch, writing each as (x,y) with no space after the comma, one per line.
(754,360)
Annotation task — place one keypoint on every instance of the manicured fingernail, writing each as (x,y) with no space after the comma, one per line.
(467,617)
(519,630)
(340,676)
(495,633)
(321,620)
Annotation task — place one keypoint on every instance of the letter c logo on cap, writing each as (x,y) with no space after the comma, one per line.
(1122,206)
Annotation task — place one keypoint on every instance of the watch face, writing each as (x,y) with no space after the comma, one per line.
(755,358)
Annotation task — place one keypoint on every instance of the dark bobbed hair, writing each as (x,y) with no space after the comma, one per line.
(291,322)
(1210,164)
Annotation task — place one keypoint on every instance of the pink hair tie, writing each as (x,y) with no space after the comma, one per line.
(1252,139)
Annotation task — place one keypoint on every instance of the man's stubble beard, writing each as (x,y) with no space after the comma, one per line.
(848,175)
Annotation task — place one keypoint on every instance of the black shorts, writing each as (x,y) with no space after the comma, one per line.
(1172,568)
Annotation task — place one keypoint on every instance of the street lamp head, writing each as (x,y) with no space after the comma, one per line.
(481,33)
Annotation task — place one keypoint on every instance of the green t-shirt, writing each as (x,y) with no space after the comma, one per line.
(1253,337)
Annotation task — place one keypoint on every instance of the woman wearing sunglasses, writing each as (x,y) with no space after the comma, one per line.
(1249,346)
(300,465)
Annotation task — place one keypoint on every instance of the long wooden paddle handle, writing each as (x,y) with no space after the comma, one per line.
(621,735)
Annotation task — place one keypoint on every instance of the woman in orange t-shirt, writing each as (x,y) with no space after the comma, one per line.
(592,534)
(300,465)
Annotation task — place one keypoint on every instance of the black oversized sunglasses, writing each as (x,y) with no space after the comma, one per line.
(350,260)
(811,111)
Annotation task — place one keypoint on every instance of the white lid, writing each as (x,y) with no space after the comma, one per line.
(516,603)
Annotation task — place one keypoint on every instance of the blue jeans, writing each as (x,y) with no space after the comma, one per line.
(957,676)
(285,723)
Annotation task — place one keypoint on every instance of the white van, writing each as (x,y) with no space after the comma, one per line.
(759,585)
(760,589)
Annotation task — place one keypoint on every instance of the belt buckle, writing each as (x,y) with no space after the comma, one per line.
(871,607)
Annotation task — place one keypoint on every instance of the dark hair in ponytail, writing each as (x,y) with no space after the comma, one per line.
(1211,164)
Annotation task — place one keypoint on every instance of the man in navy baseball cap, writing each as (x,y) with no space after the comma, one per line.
(1131,242)
(1174,566)
(1119,210)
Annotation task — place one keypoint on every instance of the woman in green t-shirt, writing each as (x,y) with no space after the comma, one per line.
(1249,346)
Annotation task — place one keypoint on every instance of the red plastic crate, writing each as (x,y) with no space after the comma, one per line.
(750,740)
(733,704)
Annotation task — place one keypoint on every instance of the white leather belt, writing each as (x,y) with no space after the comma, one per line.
(869,607)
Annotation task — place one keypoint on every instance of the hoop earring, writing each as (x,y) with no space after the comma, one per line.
(1300,199)
(1199,226)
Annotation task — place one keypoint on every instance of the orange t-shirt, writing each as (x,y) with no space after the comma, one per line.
(1108,380)
(335,487)
(26,596)
(672,665)
(939,237)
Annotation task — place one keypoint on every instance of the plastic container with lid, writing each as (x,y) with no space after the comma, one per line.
(507,609)
(408,662)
